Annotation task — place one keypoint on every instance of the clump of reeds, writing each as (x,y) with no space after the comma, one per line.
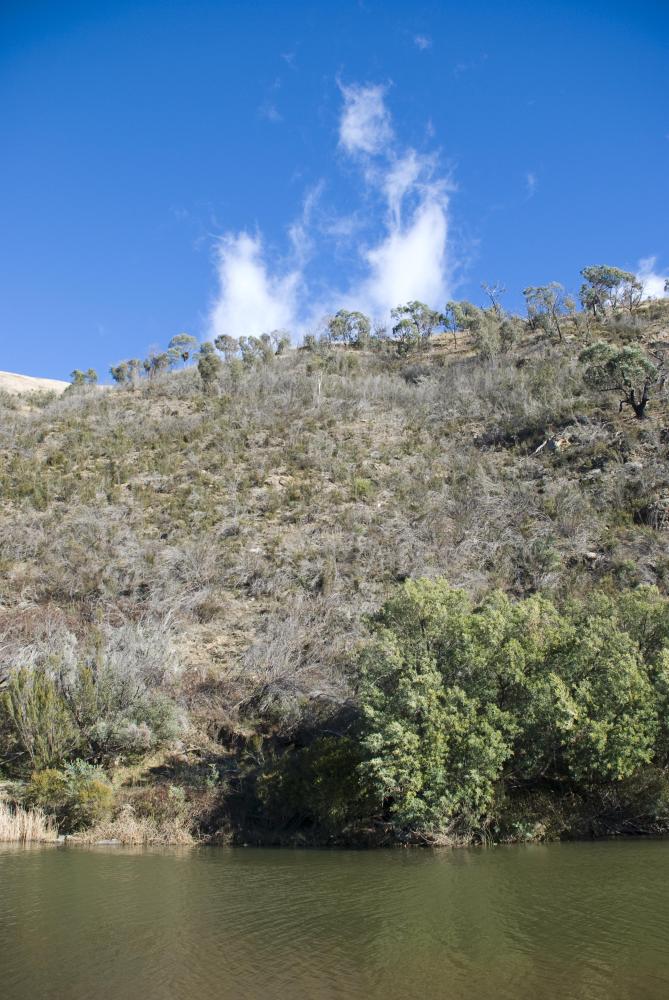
(127,828)
(19,825)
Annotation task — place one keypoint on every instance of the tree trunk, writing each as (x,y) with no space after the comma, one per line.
(639,406)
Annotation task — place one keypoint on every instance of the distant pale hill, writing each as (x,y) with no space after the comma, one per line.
(16,384)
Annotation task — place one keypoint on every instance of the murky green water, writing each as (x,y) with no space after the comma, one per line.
(574,920)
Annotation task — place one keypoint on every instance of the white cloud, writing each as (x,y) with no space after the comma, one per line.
(251,300)
(652,281)
(400,178)
(403,215)
(410,262)
(531,182)
(410,258)
(365,122)
(422,42)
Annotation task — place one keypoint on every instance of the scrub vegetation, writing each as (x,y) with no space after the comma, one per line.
(392,586)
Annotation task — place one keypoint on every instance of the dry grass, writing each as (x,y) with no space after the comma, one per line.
(18,825)
(129,829)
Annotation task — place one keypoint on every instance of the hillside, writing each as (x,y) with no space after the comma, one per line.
(191,569)
(16,385)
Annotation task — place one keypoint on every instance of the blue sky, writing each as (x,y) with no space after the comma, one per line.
(217,166)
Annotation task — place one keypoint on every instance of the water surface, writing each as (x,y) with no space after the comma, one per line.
(584,921)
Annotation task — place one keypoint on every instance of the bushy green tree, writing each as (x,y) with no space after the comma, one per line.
(434,747)
(414,324)
(458,698)
(625,370)
(209,366)
(607,289)
(180,348)
(228,346)
(546,305)
(120,372)
(79,795)
(351,328)
(460,316)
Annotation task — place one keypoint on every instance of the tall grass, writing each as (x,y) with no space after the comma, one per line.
(23,825)
(129,829)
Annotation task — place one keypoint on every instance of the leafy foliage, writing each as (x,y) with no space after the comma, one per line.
(458,699)
(414,324)
(349,328)
(79,796)
(625,370)
(608,289)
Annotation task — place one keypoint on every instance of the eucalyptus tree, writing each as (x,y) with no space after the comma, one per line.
(351,328)
(627,371)
(414,324)
(546,304)
(120,372)
(607,289)
(180,348)
(494,293)
(209,366)
(280,340)
(460,317)
(227,345)
(156,363)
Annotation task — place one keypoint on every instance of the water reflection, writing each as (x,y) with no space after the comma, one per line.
(562,921)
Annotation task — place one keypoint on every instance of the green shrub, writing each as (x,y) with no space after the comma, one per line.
(362,489)
(457,698)
(47,790)
(43,732)
(90,795)
(78,796)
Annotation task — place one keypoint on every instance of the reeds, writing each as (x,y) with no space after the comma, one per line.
(129,829)
(18,825)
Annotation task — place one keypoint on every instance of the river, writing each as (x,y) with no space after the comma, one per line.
(587,921)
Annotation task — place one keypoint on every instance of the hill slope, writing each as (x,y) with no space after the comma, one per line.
(206,562)
(15,384)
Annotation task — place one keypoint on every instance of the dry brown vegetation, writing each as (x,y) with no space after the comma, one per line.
(25,826)
(246,533)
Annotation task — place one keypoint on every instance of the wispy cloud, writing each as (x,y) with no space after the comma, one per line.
(299,231)
(422,42)
(396,241)
(409,260)
(531,182)
(653,282)
(365,125)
